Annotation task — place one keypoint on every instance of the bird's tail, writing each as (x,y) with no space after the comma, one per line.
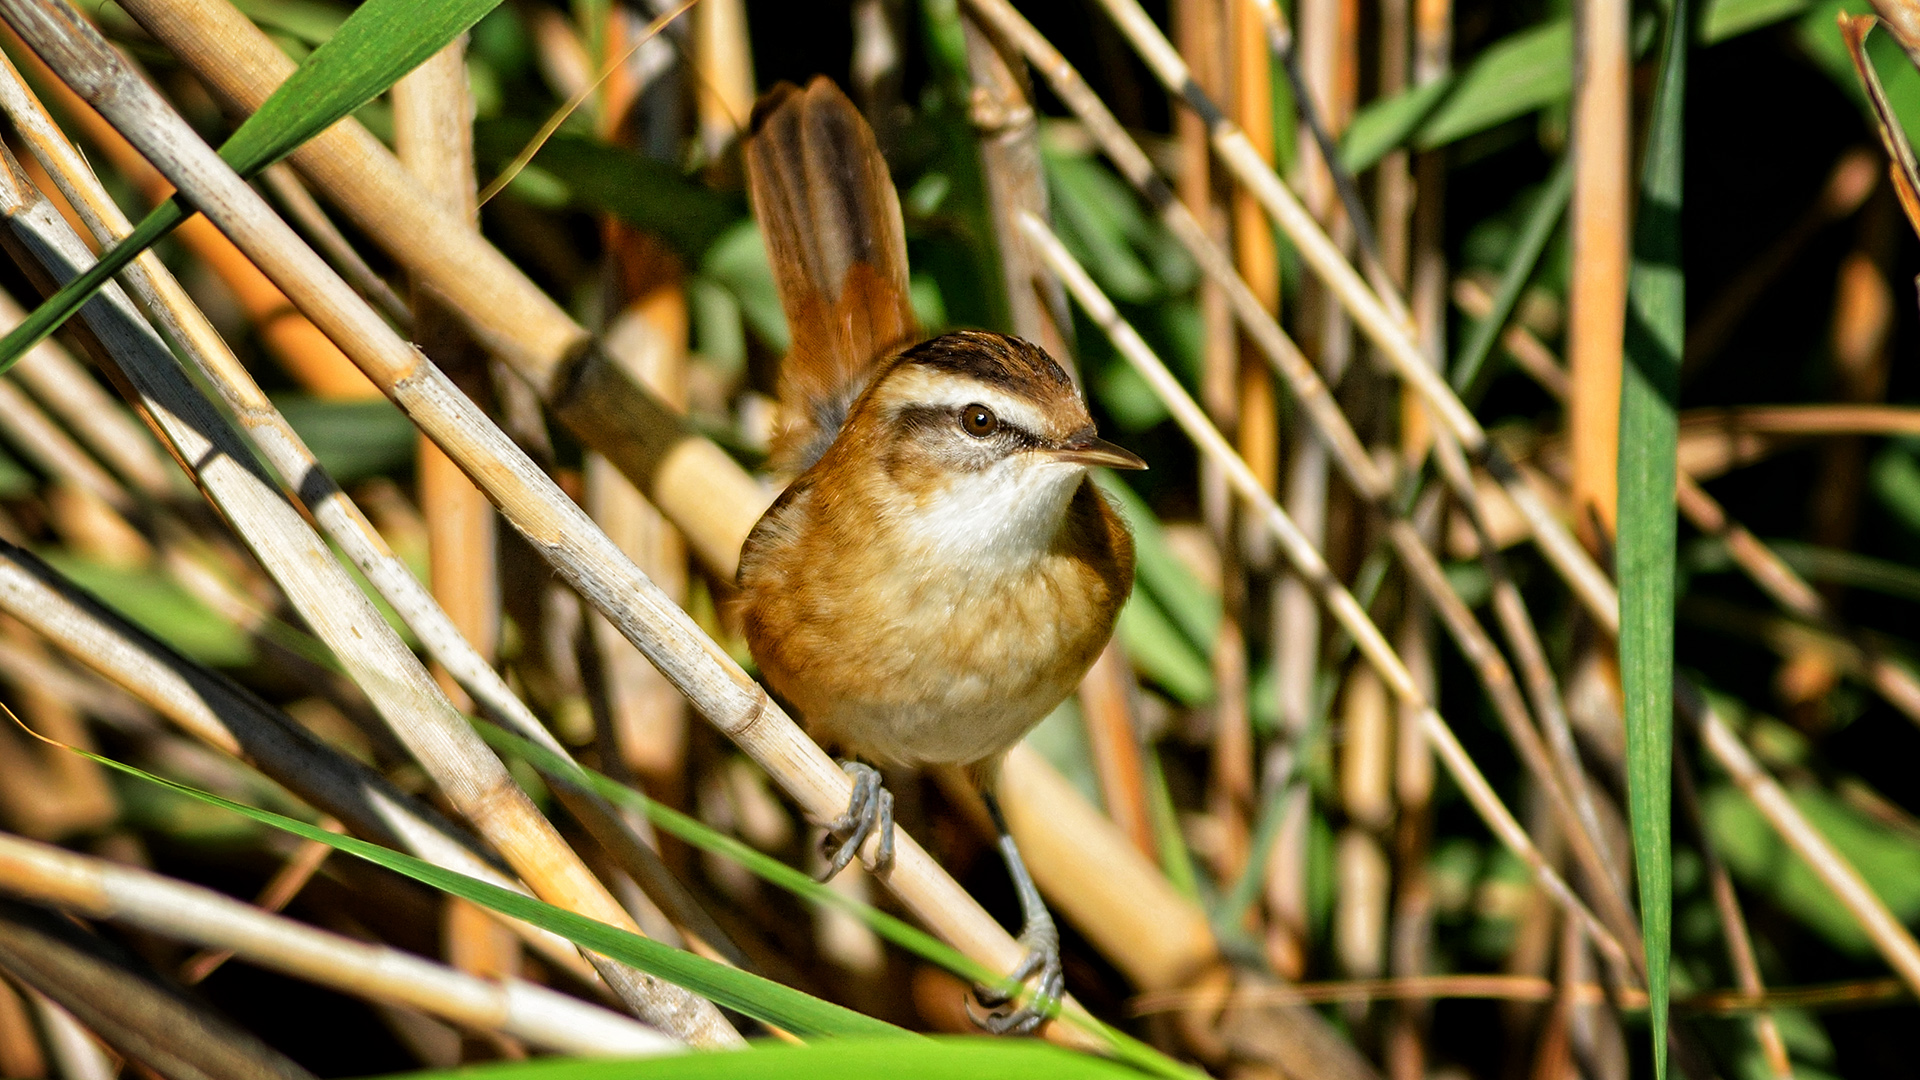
(831,219)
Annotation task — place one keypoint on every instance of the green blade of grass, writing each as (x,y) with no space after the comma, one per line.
(381,41)
(1649,437)
(945,1058)
(763,999)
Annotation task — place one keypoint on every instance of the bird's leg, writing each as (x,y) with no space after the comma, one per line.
(1042,941)
(870,808)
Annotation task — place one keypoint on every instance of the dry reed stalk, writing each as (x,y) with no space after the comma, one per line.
(307,215)
(532,503)
(45,793)
(273,898)
(20,1053)
(1360,857)
(1410,951)
(709,497)
(723,71)
(433,136)
(1378,318)
(1599,223)
(1889,936)
(230,718)
(1312,567)
(140,1017)
(648,716)
(302,351)
(98,420)
(97,889)
(1821,419)
(1362,471)
(336,514)
(48,446)
(1106,702)
(76,1054)
(1002,112)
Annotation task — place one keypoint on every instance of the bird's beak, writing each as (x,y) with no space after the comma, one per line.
(1092,450)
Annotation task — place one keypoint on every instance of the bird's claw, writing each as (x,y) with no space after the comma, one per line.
(1042,941)
(869,809)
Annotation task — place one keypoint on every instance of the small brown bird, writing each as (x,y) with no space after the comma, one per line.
(942,571)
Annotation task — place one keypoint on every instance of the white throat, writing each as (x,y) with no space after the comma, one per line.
(1003,517)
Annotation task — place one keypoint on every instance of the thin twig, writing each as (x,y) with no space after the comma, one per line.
(99,889)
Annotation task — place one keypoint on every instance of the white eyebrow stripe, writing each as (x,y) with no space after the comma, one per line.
(956,391)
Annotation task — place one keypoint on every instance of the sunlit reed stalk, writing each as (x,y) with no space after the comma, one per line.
(1312,567)
(230,718)
(337,515)
(1369,313)
(1361,468)
(709,497)
(98,889)
(550,520)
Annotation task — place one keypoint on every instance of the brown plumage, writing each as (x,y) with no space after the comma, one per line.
(839,254)
(942,572)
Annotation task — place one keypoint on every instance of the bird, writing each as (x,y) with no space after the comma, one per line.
(942,570)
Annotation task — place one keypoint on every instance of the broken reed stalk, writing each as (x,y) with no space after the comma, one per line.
(1394,338)
(395,681)
(1361,469)
(97,889)
(163,299)
(1313,569)
(531,502)
(228,717)
(700,489)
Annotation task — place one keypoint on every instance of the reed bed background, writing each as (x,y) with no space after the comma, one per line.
(1518,680)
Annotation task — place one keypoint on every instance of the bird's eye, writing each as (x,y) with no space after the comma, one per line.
(979,421)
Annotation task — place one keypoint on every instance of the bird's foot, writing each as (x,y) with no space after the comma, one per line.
(1042,941)
(870,809)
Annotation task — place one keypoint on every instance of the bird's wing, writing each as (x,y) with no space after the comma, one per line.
(831,219)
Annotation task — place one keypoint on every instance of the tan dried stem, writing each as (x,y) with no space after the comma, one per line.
(1309,564)
(531,502)
(709,497)
(97,889)
(337,515)
(394,680)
